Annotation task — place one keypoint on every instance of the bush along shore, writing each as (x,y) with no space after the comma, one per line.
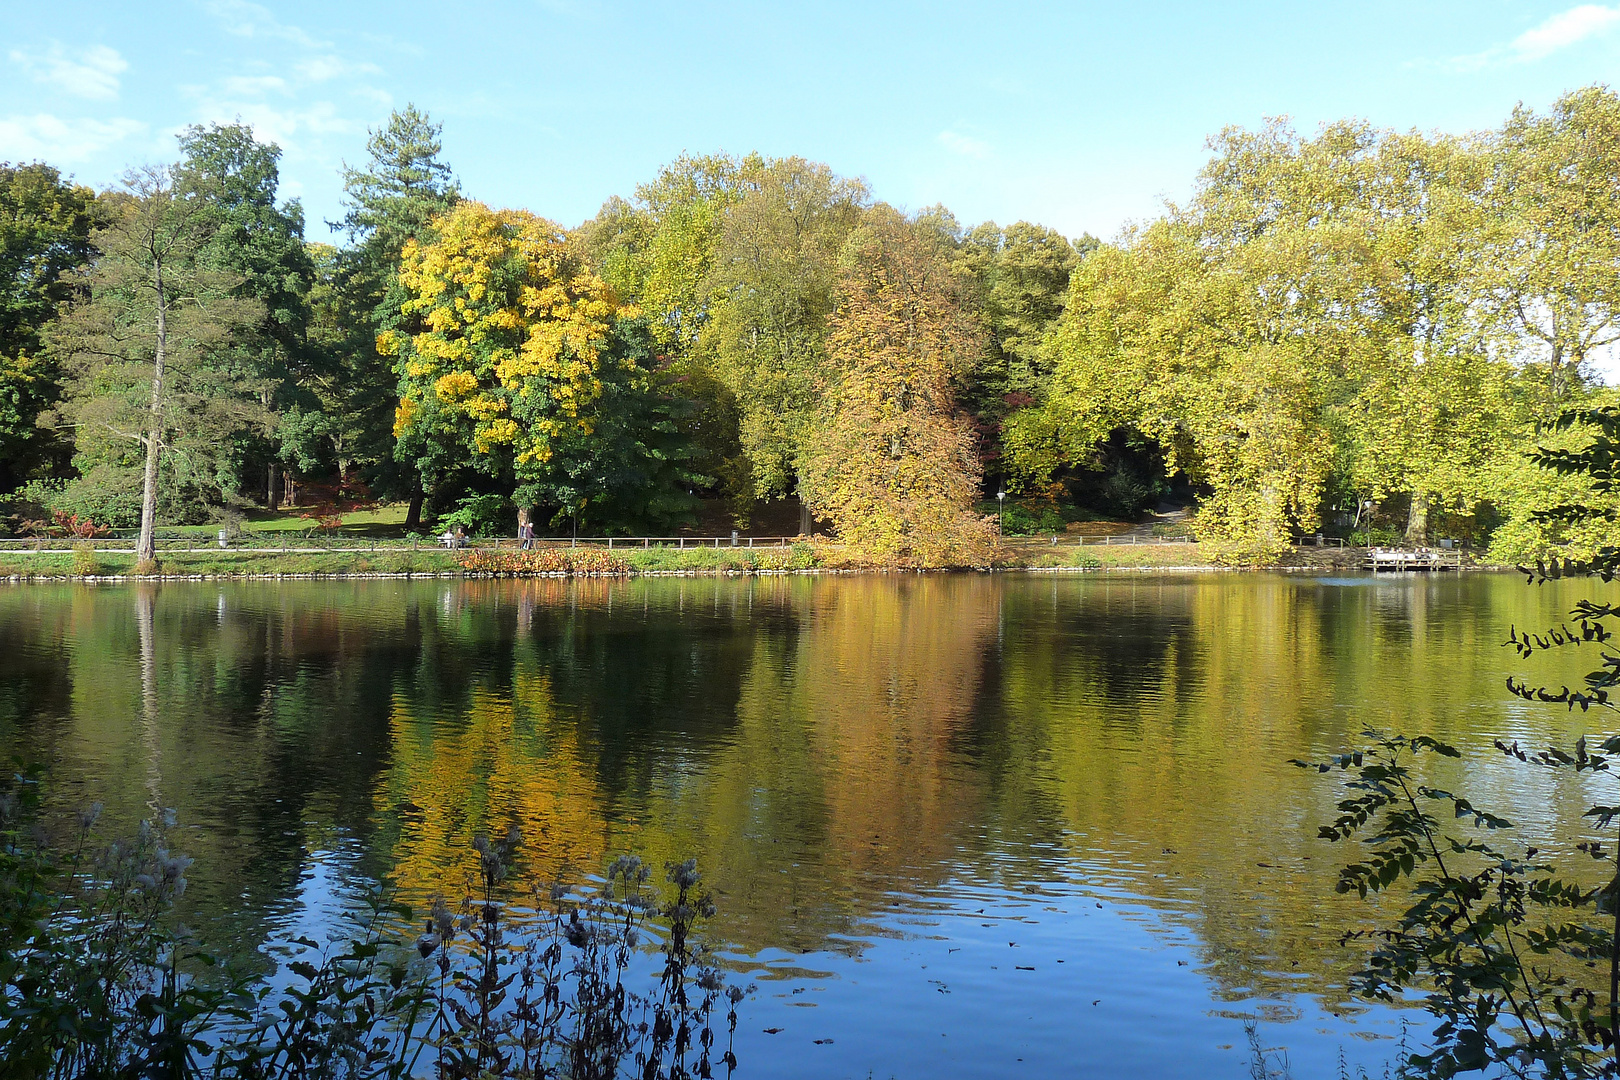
(86,562)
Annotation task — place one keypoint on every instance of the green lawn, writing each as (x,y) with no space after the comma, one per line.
(226,563)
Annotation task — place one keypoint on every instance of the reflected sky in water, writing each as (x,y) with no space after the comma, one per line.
(956,825)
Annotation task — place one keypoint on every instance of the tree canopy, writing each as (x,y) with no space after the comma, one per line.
(1351,328)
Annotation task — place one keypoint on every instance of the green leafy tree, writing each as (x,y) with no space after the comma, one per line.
(1554,238)
(771,293)
(1323,317)
(659,251)
(1021,278)
(1431,410)
(147,392)
(260,243)
(391,200)
(45,225)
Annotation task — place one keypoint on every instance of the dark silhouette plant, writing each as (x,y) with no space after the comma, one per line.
(1514,950)
(96,980)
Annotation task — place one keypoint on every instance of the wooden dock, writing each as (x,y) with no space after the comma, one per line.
(1401,560)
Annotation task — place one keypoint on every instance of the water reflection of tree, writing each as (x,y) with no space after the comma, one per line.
(820,744)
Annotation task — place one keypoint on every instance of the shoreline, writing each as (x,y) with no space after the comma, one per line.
(465,575)
(87,566)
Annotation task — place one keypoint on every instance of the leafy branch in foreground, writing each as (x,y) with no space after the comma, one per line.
(1499,942)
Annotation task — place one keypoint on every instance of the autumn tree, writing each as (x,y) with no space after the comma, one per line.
(890,458)
(771,293)
(45,225)
(528,368)
(144,348)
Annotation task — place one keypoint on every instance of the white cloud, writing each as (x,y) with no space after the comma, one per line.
(1563,30)
(1553,35)
(965,145)
(94,74)
(255,86)
(323,68)
(45,137)
(246,19)
(280,126)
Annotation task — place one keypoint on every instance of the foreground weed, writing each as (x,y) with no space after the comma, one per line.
(100,983)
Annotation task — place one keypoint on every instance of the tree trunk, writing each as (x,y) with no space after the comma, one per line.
(146,546)
(1417,520)
(805,524)
(272,486)
(413,513)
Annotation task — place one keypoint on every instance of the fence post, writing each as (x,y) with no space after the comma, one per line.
(683,543)
(646,541)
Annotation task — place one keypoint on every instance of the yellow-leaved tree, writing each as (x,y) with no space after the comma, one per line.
(890,459)
(524,366)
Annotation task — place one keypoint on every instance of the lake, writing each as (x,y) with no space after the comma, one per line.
(956,825)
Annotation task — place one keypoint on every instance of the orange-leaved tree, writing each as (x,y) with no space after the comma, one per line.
(891,461)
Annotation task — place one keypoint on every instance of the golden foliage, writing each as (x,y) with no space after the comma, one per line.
(512,339)
(892,462)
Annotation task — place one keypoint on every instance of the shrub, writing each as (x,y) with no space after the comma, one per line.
(1030,519)
(520,563)
(112,497)
(85,562)
(1376,536)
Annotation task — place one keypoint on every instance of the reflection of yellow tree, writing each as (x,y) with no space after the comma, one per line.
(502,763)
(842,757)
(860,736)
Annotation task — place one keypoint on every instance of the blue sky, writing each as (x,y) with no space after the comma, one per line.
(1080,116)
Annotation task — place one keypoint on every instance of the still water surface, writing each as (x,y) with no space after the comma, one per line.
(957,825)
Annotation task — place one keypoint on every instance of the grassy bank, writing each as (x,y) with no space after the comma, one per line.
(1116,557)
(596,560)
(80,564)
(233,564)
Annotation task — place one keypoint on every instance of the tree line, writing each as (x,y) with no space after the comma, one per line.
(1355,327)
(1359,320)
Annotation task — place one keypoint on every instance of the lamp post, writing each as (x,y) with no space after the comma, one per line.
(1001,506)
